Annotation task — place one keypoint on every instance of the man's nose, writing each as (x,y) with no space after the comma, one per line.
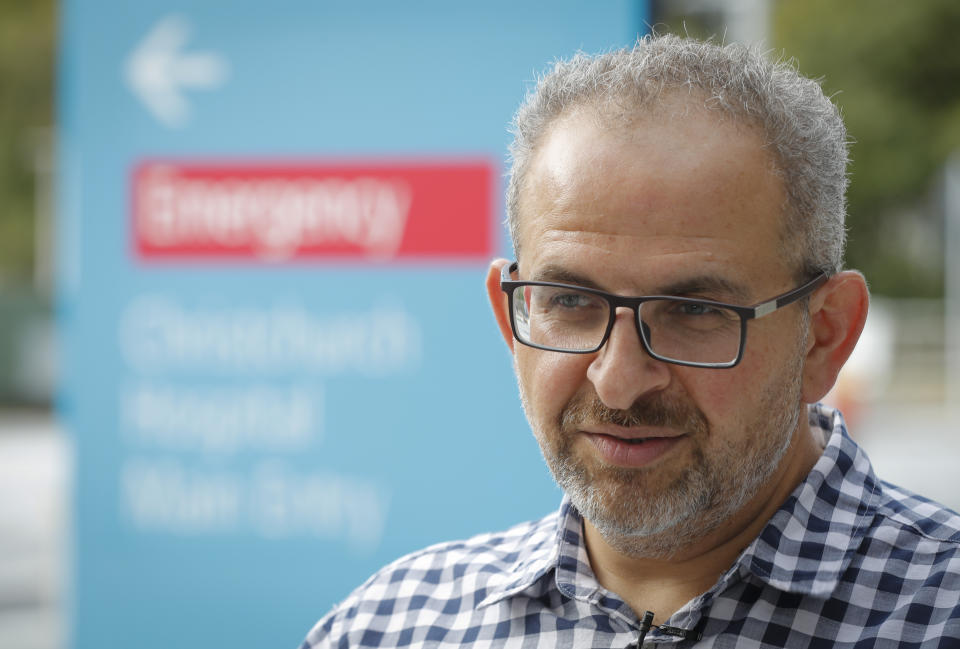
(622,370)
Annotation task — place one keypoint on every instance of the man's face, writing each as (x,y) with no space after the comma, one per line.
(677,204)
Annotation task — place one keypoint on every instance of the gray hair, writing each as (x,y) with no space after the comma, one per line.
(802,128)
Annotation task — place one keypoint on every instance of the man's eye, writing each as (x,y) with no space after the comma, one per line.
(686,308)
(570,300)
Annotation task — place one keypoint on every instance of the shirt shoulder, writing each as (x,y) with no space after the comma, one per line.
(912,521)
(442,581)
(904,577)
(909,557)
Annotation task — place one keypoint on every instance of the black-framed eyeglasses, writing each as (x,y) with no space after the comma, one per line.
(681,330)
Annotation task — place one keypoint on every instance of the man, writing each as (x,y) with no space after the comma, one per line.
(677,302)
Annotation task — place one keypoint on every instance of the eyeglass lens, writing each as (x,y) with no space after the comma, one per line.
(566,319)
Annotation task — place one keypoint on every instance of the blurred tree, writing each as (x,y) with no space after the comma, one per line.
(27,44)
(894,69)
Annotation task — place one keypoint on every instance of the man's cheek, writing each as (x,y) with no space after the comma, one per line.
(551,377)
(720,393)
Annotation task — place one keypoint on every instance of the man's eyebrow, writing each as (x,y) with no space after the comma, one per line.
(703,285)
(707,285)
(563,275)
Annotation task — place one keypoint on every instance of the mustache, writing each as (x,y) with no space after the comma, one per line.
(657,411)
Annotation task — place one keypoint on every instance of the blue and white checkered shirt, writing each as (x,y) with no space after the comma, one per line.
(847,561)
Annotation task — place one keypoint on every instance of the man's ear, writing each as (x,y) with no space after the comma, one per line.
(837,313)
(498,300)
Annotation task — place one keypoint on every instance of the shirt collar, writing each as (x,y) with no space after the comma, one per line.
(537,557)
(810,541)
(805,548)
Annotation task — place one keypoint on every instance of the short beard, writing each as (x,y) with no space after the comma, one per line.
(644,519)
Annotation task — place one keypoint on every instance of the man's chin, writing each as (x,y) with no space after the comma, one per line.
(652,539)
(638,517)
(627,512)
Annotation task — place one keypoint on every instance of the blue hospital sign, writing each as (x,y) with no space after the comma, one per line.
(280,370)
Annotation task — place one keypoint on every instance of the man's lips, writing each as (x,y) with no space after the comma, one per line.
(632,447)
(633,433)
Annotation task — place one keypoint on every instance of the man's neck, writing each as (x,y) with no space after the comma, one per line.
(665,585)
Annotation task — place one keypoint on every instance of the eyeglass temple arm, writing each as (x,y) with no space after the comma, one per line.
(789,298)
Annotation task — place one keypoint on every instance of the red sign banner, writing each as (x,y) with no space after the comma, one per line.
(267,212)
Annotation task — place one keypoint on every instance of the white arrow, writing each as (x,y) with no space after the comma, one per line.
(158,71)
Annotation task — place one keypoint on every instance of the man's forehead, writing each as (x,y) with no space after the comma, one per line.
(583,166)
(701,189)
(684,128)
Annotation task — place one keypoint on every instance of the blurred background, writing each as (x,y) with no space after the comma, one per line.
(94,554)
